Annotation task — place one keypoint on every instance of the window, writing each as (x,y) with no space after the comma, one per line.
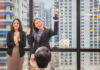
(83,50)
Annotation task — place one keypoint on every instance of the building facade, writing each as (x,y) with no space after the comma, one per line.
(67,26)
(90,32)
(10,9)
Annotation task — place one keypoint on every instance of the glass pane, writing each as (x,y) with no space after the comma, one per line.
(9,10)
(90,23)
(45,10)
(3,61)
(90,61)
(64,61)
(59,61)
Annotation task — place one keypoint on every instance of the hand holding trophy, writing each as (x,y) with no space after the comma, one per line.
(56,12)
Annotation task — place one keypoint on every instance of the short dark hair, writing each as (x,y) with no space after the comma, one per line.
(20,25)
(43,56)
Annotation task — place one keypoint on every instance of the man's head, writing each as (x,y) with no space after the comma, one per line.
(42,56)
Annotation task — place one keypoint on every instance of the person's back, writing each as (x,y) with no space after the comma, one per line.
(40,59)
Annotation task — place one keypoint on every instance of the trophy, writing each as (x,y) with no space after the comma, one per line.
(56,11)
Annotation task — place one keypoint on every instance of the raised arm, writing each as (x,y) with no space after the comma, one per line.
(55,31)
(30,37)
(56,20)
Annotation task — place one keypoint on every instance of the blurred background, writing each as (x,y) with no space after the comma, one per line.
(79,28)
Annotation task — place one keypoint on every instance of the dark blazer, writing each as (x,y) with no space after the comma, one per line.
(44,39)
(11,44)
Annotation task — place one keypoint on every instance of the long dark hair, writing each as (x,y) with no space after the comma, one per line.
(20,25)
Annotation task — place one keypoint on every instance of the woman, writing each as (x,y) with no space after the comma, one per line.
(16,41)
(40,35)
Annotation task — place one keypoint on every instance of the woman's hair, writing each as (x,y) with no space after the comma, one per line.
(33,24)
(20,25)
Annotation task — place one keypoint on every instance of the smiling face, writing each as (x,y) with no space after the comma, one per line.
(16,25)
(39,24)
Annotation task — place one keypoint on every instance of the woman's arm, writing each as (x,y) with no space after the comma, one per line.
(22,42)
(51,32)
(10,43)
(30,39)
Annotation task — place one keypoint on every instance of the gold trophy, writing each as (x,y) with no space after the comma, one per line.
(56,12)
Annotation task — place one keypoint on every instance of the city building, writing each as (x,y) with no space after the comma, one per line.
(90,32)
(6,16)
(38,8)
(10,9)
(67,32)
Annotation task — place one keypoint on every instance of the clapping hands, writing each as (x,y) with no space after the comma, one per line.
(16,37)
(28,31)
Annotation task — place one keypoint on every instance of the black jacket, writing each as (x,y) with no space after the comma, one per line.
(11,44)
(44,39)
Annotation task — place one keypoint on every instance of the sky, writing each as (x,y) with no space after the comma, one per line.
(48,3)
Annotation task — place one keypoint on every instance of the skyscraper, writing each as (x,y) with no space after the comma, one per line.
(89,21)
(67,21)
(48,18)
(67,26)
(38,8)
(6,16)
(21,11)
(10,9)
(90,32)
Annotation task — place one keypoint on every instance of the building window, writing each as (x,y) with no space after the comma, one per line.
(10,8)
(5,16)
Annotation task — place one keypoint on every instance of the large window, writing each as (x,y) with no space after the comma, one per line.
(77,44)
(9,10)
